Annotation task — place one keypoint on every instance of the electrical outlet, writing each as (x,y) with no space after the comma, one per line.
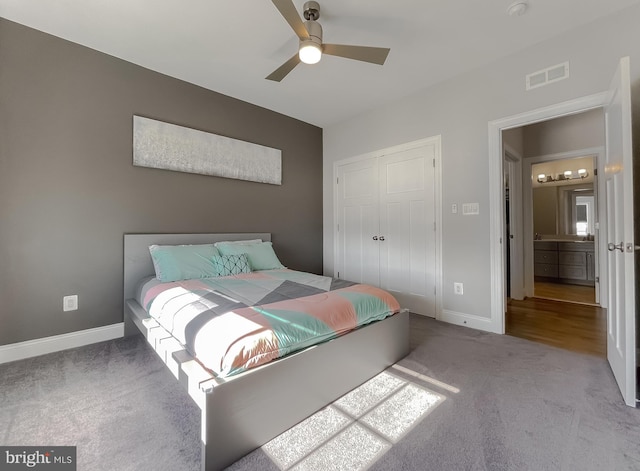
(458,288)
(70,303)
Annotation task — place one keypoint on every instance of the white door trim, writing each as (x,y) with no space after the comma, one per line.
(435,141)
(496,188)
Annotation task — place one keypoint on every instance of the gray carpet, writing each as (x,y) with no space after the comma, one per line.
(504,404)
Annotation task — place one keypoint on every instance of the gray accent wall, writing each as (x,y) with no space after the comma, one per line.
(69,190)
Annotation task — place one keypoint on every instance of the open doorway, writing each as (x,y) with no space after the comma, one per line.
(552,220)
(616,247)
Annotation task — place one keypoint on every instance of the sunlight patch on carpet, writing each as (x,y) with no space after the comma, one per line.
(396,416)
(355,448)
(370,394)
(299,441)
(354,431)
(427,379)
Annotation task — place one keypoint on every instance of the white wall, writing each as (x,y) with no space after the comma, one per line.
(459,110)
(565,134)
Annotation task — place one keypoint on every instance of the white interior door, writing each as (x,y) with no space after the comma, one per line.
(358,222)
(618,188)
(407,228)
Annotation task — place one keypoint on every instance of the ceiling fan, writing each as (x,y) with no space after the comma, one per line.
(311,46)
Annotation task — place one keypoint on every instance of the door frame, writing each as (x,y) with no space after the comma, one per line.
(433,140)
(496,188)
(513,164)
(597,153)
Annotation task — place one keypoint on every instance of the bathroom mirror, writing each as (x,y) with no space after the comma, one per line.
(564,210)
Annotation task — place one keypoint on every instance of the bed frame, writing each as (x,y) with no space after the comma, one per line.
(245,411)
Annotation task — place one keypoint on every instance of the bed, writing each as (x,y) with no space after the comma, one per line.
(245,406)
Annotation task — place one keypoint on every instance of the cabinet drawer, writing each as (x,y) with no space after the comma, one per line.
(573,258)
(571,272)
(545,269)
(575,246)
(544,245)
(545,256)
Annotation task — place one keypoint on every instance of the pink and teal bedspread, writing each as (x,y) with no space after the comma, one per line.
(234,323)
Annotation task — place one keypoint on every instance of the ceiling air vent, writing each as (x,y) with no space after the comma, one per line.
(548,75)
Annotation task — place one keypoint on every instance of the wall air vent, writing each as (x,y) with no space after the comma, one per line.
(548,75)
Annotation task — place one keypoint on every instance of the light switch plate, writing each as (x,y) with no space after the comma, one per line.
(469,209)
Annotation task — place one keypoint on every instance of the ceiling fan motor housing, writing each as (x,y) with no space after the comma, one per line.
(315,31)
(311,11)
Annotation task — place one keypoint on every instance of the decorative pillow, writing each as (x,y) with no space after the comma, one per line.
(227,265)
(183,262)
(261,256)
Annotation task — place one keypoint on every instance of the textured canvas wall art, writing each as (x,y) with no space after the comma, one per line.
(170,147)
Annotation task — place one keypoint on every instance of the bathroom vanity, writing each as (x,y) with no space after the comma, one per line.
(564,261)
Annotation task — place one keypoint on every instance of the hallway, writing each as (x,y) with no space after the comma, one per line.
(571,326)
(564,292)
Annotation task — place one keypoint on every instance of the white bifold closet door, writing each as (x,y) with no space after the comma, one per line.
(386,225)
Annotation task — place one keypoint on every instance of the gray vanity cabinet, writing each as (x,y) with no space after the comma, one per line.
(545,258)
(565,261)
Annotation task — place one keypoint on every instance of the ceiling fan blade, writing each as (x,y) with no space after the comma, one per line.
(375,55)
(288,10)
(282,71)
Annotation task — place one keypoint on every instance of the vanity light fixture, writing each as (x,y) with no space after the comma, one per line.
(566,175)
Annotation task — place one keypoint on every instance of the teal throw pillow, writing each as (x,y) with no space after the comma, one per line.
(183,262)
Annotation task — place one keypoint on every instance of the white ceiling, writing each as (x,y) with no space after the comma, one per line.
(229,46)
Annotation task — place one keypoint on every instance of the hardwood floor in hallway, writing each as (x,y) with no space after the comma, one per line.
(571,326)
(564,292)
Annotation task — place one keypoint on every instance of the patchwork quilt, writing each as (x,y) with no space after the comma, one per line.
(233,323)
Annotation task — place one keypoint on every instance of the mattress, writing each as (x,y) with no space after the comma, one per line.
(234,323)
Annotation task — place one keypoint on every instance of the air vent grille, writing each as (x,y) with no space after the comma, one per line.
(549,75)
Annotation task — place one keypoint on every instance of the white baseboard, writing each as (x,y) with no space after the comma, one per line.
(56,343)
(467,320)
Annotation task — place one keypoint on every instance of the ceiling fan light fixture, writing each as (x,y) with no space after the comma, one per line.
(311,48)
(310,52)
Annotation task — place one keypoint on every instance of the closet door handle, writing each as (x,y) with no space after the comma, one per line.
(382,238)
(375,237)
